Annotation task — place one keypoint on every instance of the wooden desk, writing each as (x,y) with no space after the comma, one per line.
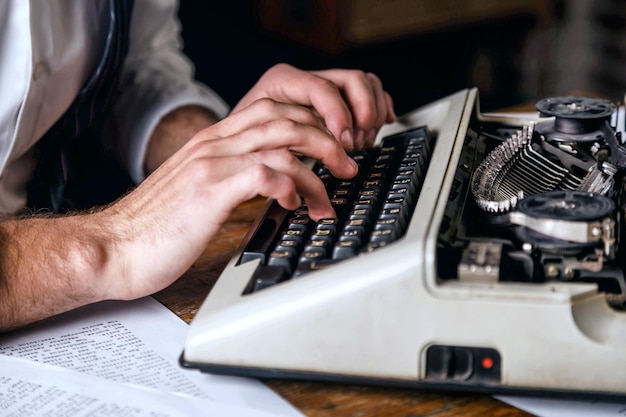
(185,296)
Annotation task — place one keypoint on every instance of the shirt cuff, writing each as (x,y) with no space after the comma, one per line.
(141,131)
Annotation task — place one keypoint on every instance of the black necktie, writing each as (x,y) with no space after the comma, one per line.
(76,135)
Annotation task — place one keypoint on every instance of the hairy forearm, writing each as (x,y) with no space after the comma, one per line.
(50,265)
(173,131)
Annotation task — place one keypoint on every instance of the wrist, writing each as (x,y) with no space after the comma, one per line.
(50,265)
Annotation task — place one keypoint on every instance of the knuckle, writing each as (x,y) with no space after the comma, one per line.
(373,77)
(308,117)
(366,116)
(324,84)
(259,173)
(285,157)
(265,104)
(201,170)
(282,66)
(283,124)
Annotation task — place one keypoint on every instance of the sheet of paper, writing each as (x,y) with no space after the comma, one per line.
(137,342)
(548,407)
(33,389)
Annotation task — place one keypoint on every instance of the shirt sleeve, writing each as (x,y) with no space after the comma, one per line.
(157,79)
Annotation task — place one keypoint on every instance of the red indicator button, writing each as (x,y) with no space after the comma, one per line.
(487,362)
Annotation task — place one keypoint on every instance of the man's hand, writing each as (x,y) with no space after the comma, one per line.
(352,103)
(158,230)
(150,237)
(146,240)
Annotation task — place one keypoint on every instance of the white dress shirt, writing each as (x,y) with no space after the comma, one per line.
(49,49)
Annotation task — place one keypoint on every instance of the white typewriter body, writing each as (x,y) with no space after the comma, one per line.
(374,317)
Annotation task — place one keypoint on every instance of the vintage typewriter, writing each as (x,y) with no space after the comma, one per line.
(474,252)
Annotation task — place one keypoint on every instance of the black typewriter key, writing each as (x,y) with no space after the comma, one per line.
(347,247)
(414,155)
(341,206)
(325,176)
(316,265)
(319,244)
(411,172)
(342,193)
(420,142)
(372,208)
(360,213)
(404,189)
(291,244)
(284,258)
(346,184)
(401,192)
(299,221)
(260,245)
(294,234)
(386,231)
(397,202)
(384,235)
(267,276)
(311,253)
(393,212)
(322,239)
(393,223)
(368,203)
(400,182)
(376,176)
(302,224)
(356,224)
(301,212)
(370,195)
(328,224)
(373,183)
(409,163)
(363,157)
(372,246)
(353,232)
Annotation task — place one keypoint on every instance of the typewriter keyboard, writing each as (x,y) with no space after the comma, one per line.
(373,209)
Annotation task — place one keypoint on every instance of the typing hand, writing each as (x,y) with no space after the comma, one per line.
(352,103)
(162,227)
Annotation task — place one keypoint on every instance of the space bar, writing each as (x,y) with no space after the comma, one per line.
(259,245)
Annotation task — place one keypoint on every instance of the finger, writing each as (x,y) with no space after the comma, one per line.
(309,89)
(391,113)
(226,157)
(381,113)
(275,135)
(366,99)
(258,180)
(260,112)
(307,183)
(178,224)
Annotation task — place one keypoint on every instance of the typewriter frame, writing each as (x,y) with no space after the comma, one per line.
(402,325)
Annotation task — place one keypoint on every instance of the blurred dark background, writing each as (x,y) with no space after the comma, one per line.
(513,50)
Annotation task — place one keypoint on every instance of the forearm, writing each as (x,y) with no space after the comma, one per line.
(173,131)
(49,265)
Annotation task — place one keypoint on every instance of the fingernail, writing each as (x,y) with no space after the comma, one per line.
(347,140)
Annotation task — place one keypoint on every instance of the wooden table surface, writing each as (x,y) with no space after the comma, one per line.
(185,296)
